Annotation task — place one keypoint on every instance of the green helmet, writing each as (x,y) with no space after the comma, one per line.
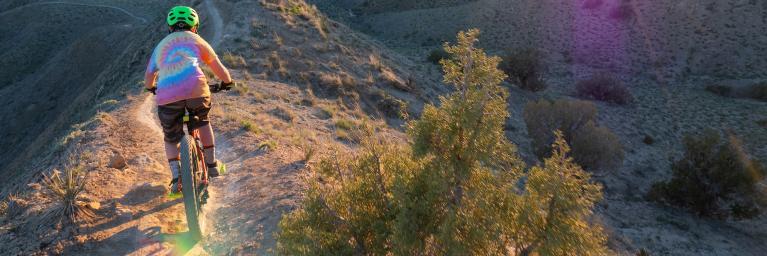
(183,14)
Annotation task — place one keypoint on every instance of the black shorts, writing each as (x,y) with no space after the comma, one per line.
(172,116)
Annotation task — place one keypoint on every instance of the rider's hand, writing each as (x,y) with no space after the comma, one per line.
(227,86)
(153,90)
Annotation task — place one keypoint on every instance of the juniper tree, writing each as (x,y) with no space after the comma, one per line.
(455,189)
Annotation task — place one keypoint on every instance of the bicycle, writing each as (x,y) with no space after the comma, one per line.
(194,172)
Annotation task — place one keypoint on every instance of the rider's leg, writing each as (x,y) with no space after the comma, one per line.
(171,118)
(208,142)
(172,153)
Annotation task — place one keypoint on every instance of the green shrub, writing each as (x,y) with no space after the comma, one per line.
(604,87)
(543,117)
(594,147)
(758,91)
(389,106)
(436,55)
(714,178)
(524,68)
(648,140)
(721,90)
(454,189)
(592,4)
(623,11)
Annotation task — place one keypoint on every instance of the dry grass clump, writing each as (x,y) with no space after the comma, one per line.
(283,114)
(328,85)
(12,206)
(325,112)
(345,124)
(594,147)
(604,87)
(388,78)
(268,145)
(308,147)
(330,80)
(250,127)
(375,62)
(234,61)
(64,189)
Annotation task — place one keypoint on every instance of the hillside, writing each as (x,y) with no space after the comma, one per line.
(72,95)
(666,52)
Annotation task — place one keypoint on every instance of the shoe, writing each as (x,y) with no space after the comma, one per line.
(175,188)
(216,169)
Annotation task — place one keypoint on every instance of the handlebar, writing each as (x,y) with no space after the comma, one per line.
(214,88)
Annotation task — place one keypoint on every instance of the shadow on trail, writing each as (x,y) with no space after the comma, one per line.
(117,220)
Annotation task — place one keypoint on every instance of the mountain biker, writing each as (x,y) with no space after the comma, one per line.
(181,85)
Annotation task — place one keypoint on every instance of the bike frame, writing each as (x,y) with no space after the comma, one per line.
(195,133)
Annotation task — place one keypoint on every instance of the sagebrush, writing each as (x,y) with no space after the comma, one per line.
(714,178)
(594,147)
(524,67)
(604,87)
(437,55)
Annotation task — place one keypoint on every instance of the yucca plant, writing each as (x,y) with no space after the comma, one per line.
(64,188)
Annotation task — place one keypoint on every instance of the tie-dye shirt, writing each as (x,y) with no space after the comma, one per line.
(177,60)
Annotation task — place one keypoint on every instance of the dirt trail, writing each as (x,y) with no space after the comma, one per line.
(218,23)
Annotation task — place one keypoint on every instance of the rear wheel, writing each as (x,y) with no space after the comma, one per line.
(189,182)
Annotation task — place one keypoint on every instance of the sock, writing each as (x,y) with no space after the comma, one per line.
(175,167)
(210,155)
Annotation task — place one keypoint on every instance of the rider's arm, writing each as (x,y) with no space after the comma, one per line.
(149,79)
(211,59)
(150,76)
